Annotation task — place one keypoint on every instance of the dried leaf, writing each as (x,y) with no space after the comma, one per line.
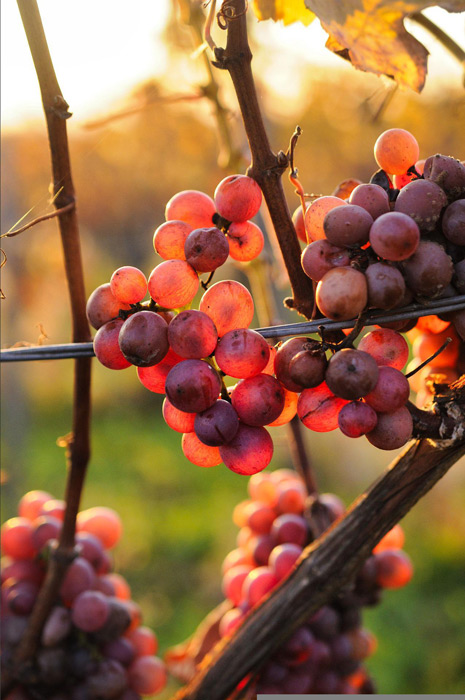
(371,34)
(288,11)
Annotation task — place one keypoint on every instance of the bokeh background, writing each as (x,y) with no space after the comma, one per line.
(142,131)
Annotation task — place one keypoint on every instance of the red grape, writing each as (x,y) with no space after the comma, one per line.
(258,400)
(192,386)
(198,453)
(249,451)
(191,206)
(173,283)
(229,304)
(192,335)
(169,239)
(396,150)
(143,338)
(242,353)
(106,346)
(238,198)
(342,294)
(318,408)
(128,284)
(394,236)
(206,249)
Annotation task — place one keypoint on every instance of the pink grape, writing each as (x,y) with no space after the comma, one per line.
(246,241)
(206,249)
(45,528)
(192,334)
(342,294)
(394,568)
(198,453)
(229,304)
(154,378)
(31,503)
(262,488)
(393,430)
(54,507)
(315,214)
(351,374)
(258,400)
(290,527)
(233,581)
(386,286)
(391,391)
(192,386)
(258,583)
(318,408)
(372,198)
(90,611)
(103,522)
(347,226)
(106,346)
(90,547)
(103,306)
(238,198)
(394,236)
(283,557)
(128,284)
(180,421)
(356,419)
(17,538)
(217,425)
(173,283)
(289,410)
(386,346)
(242,353)
(79,577)
(299,224)
(292,496)
(396,150)
(259,517)
(423,201)
(147,675)
(191,206)
(453,222)
(144,641)
(143,339)
(250,451)
(321,256)
(169,239)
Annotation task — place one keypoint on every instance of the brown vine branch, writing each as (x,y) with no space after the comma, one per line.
(325,566)
(39,219)
(266,168)
(56,113)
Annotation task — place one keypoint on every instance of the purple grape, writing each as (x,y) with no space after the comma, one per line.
(258,400)
(448,173)
(217,425)
(347,226)
(394,236)
(393,430)
(423,201)
(46,528)
(52,666)
(21,596)
(192,335)
(391,391)
(321,256)
(90,611)
(108,681)
(357,418)
(372,198)
(453,222)
(429,270)
(386,286)
(143,339)
(206,249)
(351,374)
(90,548)
(307,368)
(79,577)
(192,386)
(120,650)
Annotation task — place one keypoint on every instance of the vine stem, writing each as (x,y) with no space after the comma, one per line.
(78,444)
(266,168)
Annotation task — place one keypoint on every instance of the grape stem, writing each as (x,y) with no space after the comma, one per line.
(266,168)
(426,362)
(78,445)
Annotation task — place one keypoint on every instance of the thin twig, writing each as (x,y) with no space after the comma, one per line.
(45,217)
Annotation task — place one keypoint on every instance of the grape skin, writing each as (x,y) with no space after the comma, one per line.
(143,338)
(173,283)
(229,304)
(372,198)
(192,386)
(238,198)
(249,452)
(169,239)
(242,353)
(192,335)
(258,400)
(342,294)
(191,206)
(393,430)
(396,150)
(206,249)
(315,214)
(394,236)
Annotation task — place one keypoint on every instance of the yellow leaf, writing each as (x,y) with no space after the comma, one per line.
(288,11)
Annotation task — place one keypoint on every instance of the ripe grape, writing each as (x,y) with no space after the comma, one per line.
(307,368)
(386,346)
(102,522)
(351,374)
(154,377)
(128,284)
(198,453)
(386,286)
(192,386)
(357,418)
(206,249)
(242,353)
(90,611)
(315,214)
(372,198)
(17,538)
(394,236)
(396,150)
(429,270)
(178,420)
(102,306)
(258,400)
(217,425)
(299,225)
(283,557)
(238,198)
(347,226)
(423,201)
(453,222)
(318,408)
(321,256)
(282,360)
(31,503)
(346,187)
(394,568)
(191,206)
(393,430)
(257,584)
(173,283)
(106,346)
(289,410)
(448,173)
(143,338)
(229,304)
(169,239)
(79,577)
(246,241)
(249,451)
(391,391)
(192,335)
(342,293)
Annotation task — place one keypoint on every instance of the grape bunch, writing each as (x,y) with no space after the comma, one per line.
(388,242)
(326,654)
(93,645)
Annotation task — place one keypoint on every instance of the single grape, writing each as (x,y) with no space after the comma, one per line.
(393,430)
(242,353)
(318,408)
(246,241)
(386,286)
(17,538)
(290,528)
(258,400)
(342,293)
(351,374)
(396,150)
(217,425)
(249,451)
(144,641)
(192,386)
(315,214)
(229,304)
(192,335)
(103,306)
(423,201)
(169,239)
(103,522)
(128,284)
(120,650)
(206,249)
(257,584)
(143,339)
(283,557)
(453,222)
(173,283)
(308,367)
(282,360)
(321,256)
(238,198)
(198,452)
(79,577)
(90,547)
(46,528)
(394,236)
(31,503)
(388,347)
(107,681)
(233,581)
(106,346)
(147,675)
(347,226)
(191,206)
(372,198)
(90,611)
(429,270)
(357,418)
(391,391)
(394,568)
(178,420)
(393,539)
(448,173)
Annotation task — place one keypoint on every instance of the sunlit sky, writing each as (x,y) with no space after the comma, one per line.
(103,48)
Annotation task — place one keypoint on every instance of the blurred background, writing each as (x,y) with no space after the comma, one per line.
(142,130)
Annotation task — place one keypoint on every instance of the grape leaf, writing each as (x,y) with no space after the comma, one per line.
(371,34)
(288,10)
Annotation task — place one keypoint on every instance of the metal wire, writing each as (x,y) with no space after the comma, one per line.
(71,351)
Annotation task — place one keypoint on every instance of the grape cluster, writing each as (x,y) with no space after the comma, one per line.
(385,243)
(326,654)
(93,646)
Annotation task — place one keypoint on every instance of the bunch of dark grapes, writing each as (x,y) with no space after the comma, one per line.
(326,654)
(397,239)
(93,646)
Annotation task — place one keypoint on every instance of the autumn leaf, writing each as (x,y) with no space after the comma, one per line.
(288,11)
(371,34)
